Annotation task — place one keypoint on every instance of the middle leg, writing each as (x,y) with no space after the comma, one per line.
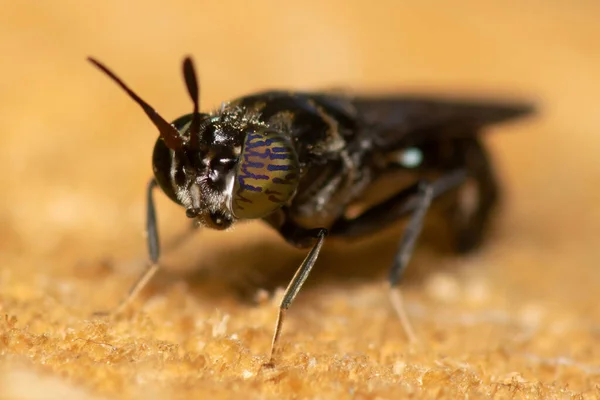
(414,200)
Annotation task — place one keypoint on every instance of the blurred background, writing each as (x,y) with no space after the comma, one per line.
(75,150)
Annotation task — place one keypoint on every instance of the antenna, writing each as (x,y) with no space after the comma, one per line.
(167,131)
(191,82)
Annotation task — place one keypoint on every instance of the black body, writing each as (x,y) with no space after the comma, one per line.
(345,144)
(306,163)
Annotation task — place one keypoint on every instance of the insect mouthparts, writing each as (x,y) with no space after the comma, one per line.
(192,212)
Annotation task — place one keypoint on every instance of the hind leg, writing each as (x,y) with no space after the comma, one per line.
(470,210)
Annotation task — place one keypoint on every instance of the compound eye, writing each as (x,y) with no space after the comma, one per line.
(266,177)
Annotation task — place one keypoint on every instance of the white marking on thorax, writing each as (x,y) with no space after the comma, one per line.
(410,158)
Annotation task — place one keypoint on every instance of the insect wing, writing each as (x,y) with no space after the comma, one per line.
(394,122)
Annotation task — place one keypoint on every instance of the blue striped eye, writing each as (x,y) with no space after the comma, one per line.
(267,175)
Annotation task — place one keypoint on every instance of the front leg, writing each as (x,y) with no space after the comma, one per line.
(153,251)
(414,200)
(300,236)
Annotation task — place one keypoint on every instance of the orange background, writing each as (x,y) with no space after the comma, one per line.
(520,316)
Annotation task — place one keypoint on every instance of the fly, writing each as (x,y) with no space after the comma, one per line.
(301,162)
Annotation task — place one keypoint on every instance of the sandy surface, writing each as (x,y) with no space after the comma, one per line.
(520,318)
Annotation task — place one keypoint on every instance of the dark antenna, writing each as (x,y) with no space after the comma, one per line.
(189,74)
(167,132)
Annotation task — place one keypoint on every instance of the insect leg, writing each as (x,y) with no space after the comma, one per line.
(415,200)
(296,284)
(395,208)
(470,212)
(153,251)
(405,250)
